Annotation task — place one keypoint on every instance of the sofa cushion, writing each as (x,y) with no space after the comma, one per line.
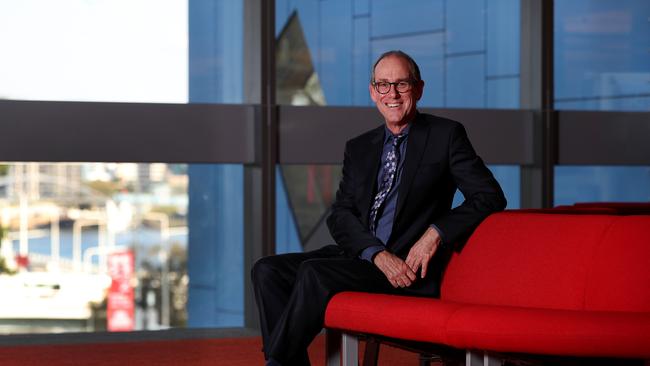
(619,274)
(404,317)
(527,260)
(550,332)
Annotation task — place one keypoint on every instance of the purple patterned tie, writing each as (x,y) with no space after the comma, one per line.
(390,170)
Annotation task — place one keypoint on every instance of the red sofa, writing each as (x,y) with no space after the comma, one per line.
(524,283)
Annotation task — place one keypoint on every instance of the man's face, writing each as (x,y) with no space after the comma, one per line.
(397,108)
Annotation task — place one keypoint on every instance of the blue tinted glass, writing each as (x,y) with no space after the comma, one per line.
(390,19)
(460,45)
(601,55)
(216,192)
(508,177)
(465,81)
(601,184)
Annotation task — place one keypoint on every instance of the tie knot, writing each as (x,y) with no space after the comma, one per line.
(398,139)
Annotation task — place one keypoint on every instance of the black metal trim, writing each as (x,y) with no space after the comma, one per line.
(269,127)
(549,117)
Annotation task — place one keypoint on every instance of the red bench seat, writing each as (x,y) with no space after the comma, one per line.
(567,285)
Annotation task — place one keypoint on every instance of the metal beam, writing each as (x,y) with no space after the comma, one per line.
(604,138)
(125,132)
(317,135)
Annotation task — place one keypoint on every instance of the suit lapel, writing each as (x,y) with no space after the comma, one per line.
(417,140)
(370,166)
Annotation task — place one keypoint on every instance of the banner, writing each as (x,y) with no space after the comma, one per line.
(120,312)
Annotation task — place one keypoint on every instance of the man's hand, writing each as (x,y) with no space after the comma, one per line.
(423,250)
(396,270)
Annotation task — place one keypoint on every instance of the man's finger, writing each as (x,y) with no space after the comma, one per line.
(408,260)
(425,264)
(411,274)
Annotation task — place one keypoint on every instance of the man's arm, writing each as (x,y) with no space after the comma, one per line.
(483,195)
(482,192)
(344,222)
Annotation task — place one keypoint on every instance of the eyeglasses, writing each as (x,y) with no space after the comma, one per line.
(383,87)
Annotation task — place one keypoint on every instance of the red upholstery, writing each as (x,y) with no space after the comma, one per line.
(533,260)
(383,314)
(550,332)
(619,274)
(528,283)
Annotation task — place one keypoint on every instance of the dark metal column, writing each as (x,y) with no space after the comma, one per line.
(269,127)
(536,62)
(549,117)
(259,177)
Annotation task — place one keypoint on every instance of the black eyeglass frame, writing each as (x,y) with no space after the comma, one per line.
(409,83)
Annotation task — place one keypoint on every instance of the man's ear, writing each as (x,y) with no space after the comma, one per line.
(419,89)
(372,91)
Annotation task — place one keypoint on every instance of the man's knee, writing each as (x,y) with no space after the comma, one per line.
(311,269)
(264,268)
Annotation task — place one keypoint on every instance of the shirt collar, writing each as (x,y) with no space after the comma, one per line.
(388,134)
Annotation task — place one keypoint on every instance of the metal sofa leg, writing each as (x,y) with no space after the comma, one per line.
(350,352)
(476,358)
(341,349)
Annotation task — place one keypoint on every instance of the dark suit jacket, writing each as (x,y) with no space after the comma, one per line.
(439,159)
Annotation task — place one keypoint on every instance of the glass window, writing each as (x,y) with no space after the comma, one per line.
(601,63)
(304,196)
(111,51)
(468,50)
(509,179)
(601,55)
(93,246)
(601,184)
(145,51)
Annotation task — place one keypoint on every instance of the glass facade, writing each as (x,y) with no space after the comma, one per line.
(467,50)
(180,228)
(105,51)
(601,55)
(602,50)
(63,225)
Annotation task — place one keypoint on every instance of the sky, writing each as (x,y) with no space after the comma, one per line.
(94,50)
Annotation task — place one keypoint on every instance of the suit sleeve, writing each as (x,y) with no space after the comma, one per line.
(482,192)
(345,224)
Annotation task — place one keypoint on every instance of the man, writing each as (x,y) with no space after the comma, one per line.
(391,218)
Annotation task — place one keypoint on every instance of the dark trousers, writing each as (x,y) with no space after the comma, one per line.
(292,292)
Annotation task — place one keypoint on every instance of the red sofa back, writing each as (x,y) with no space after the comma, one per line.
(580,262)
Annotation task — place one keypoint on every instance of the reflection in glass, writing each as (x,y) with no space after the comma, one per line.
(68,231)
(601,55)
(297,81)
(601,184)
(467,50)
(310,190)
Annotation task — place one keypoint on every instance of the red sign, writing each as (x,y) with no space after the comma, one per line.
(120,312)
